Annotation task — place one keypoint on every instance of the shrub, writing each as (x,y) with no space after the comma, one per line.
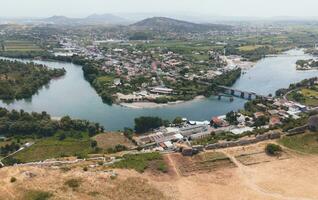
(73,183)
(273,149)
(13,179)
(117,148)
(162,167)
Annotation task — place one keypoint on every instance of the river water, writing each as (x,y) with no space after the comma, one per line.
(72,95)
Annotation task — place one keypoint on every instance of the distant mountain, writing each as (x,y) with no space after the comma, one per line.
(58,20)
(169,24)
(90,20)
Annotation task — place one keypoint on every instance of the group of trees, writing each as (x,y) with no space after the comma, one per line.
(310,63)
(19,123)
(231,117)
(9,148)
(145,124)
(21,80)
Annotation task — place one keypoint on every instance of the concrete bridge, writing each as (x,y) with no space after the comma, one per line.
(241,93)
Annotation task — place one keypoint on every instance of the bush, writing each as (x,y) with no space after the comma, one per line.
(85,169)
(73,183)
(273,149)
(13,179)
(117,148)
(162,167)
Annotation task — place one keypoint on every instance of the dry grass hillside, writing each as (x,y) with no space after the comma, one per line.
(236,173)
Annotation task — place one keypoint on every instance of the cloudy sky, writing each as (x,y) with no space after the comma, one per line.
(78,8)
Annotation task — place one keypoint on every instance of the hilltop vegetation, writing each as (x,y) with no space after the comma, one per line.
(21,80)
(305,143)
(173,25)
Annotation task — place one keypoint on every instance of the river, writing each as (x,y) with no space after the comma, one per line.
(72,95)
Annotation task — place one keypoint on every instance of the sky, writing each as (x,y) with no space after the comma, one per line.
(80,8)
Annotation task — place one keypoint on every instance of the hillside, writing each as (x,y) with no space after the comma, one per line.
(89,20)
(168,24)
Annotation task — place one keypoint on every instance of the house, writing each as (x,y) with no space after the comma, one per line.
(161,90)
(187,151)
(117,82)
(190,130)
(218,122)
(258,115)
(274,120)
(239,131)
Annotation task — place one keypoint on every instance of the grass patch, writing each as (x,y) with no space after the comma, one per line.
(306,143)
(140,162)
(250,47)
(110,140)
(306,96)
(37,195)
(53,148)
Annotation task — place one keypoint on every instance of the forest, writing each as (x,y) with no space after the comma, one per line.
(20,80)
(23,124)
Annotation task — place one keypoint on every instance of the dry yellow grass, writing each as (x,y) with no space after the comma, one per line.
(110,140)
(294,178)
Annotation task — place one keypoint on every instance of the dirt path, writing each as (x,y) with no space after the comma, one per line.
(173,165)
(246,173)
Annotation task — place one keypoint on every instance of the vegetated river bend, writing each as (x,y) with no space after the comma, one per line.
(72,95)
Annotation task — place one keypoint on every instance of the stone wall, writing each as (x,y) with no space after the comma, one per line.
(267,136)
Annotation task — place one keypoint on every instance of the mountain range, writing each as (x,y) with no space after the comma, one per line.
(90,20)
(169,24)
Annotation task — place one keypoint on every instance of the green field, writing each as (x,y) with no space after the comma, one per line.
(53,148)
(140,162)
(306,143)
(249,47)
(19,45)
(306,96)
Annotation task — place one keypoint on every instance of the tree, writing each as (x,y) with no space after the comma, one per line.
(261,121)
(93,143)
(145,124)
(66,123)
(231,117)
(177,121)
(92,130)
(273,149)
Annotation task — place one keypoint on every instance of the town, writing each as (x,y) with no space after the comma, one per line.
(259,121)
(169,100)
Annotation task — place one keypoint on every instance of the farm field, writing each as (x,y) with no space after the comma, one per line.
(203,162)
(19,45)
(249,47)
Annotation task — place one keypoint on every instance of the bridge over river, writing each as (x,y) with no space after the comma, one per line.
(241,93)
(232,92)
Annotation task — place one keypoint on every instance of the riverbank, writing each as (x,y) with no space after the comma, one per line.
(144,105)
(72,95)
